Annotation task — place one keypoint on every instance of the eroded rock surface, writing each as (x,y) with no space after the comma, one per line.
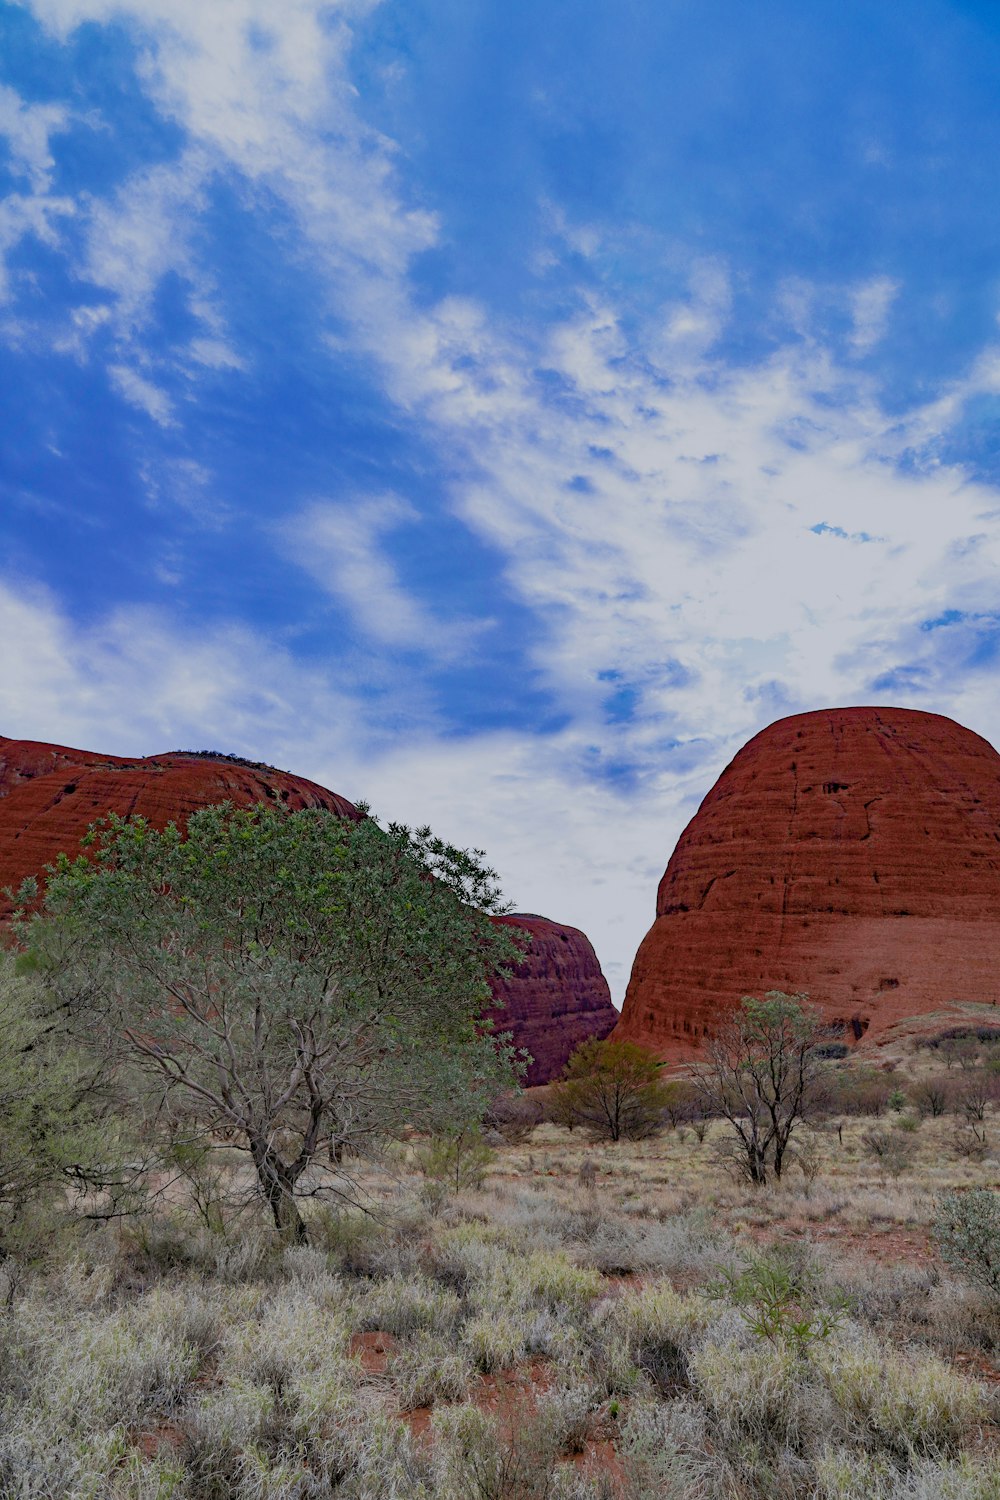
(556,999)
(851,853)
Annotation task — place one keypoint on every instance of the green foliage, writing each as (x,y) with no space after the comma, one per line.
(614,1089)
(967,1231)
(778,1300)
(305,985)
(453,1161)
(59,1138)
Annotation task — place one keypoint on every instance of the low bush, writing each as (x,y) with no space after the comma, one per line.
(429,1368)
(967,1231)
(916,1404)
(755,1392)
(485,1457)
(405,1305)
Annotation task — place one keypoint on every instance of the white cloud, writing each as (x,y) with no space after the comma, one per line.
(341,547)
(871,304)
(134,682)
(27,129)
(142,393)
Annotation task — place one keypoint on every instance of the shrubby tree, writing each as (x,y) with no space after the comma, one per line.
(614,1089)
(295,985)
(967,1231)
(58,1129)
(760,1073)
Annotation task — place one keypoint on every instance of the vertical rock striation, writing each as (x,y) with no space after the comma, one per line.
(852,853)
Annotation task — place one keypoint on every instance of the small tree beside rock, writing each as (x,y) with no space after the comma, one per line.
(761,1073)
(614,1089)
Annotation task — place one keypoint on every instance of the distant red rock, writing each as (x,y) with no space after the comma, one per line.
(556,999)
(50,794)
(851,853)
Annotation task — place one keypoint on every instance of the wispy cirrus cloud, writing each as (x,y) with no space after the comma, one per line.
(340,546)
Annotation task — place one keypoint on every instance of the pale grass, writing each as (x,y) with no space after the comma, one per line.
(914,1403)
(244,1350)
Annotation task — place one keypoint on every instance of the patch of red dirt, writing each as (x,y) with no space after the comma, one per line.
(165,1435)
(373,1351)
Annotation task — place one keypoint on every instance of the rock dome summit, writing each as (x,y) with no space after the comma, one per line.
(852,853)
(50,794)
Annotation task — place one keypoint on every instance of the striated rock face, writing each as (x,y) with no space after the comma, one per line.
(852,853)
(49,795)
(556,999)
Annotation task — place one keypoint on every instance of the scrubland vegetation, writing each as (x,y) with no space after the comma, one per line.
(275,1225)
(576,1319)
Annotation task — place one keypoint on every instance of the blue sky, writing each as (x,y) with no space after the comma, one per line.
(498,411)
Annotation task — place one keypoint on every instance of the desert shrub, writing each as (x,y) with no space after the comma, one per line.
(661,1451)
(553,1281)
(967,1231)
(856,1090)
(969,1140)
(904,1406)
(514,1117)
(614,1089)
(755,1392)
(932,1097)
(649,1332)
(429,1368)
(402,1306)
(681,1244)
(843,1474)
(382,1458)
(880,1294)
(483,1457)
(354,1241)
(495,1341)
(894,1152)
(451,1163)
(779,1300)
(975,1093)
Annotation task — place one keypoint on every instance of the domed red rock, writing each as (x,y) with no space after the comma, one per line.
(851,853)
(556,999)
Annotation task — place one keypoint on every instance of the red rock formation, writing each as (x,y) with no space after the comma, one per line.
(851,853)
(49,796)
(556,999)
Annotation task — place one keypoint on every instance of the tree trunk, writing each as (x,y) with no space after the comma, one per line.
(278,1189)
